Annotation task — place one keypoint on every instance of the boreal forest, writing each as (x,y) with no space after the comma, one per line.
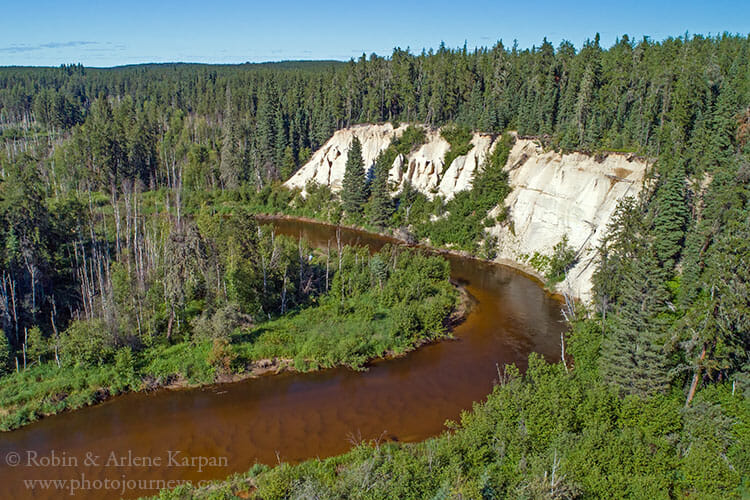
(131,258)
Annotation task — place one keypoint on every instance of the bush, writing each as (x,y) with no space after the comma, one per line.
(411,139)
(221,356)
(563,258)
(125,369)
(86,342)
(459,138)
(5,353)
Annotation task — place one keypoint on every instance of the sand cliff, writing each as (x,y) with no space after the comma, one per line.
(553,195)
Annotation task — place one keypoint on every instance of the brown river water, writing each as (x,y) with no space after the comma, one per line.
(116,448)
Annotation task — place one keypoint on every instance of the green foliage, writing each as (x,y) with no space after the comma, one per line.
(380,207)
(379,270)
(633,350)
(37,346)
(459,222)
(44,389)
(86,343)
(550,430)
(125,370)
(707,434)
(353,188)
(584,344)
(459,137)
(184,361)
(6,354)
(562,259)
(488,249)
(621,246)
(538,261)
(410,139)
(672,214)
(288,163)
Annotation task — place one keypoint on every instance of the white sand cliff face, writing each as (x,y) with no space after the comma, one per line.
(553,194)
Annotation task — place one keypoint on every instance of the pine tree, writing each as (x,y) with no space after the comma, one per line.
(353,189)
(380,206)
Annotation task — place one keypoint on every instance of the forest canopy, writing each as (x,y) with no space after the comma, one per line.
(128,244)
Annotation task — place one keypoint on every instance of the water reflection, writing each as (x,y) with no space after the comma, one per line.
(293,417)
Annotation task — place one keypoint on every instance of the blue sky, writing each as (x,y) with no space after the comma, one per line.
(49,33)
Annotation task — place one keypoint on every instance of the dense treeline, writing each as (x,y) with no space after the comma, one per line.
(228,124)
(123,194)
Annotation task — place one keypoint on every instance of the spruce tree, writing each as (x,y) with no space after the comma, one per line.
(716,327)
(381,206)
(230,167)
(670,221)
(619,248)
(633,358)
(288,164)
(267,128)
(353,189)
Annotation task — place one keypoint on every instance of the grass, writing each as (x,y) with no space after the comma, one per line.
(46,389)
(367,322)
(552,429)
(331,334)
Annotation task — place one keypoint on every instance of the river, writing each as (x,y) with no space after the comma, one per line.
(109,450)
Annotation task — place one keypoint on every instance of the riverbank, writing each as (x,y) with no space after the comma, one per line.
(351,330)
(528,426)
(523,269)
(317,414)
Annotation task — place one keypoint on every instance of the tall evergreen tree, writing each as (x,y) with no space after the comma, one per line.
(671,218)
(353,187)
(288,164)
(231,156)
(619,248)
(715,284)
(633,357)
(716,328)
(269,136)
(380,206)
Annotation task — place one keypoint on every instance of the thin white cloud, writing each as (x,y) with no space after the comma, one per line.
(24,47)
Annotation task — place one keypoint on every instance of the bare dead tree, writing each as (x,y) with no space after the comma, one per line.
(328,260)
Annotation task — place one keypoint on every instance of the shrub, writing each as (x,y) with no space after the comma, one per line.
(563,258)
(459,138)
(124,369)
(86,342)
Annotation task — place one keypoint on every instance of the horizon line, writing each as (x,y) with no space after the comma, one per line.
(685,36)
